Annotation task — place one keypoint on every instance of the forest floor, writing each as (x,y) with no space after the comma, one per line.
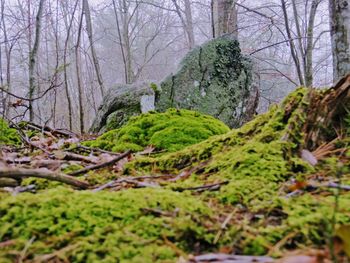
(275,190)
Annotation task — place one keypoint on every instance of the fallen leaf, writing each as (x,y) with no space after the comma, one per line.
(308,157)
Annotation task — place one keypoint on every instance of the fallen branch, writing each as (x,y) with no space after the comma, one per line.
(67,156)
(25,139)
(114,183)
(62,132)
(102,165)
(42,173)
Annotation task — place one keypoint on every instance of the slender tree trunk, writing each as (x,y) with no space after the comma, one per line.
(186,21)
(78,72)
(120,40)
(126,40)
(224,17)
(33,56)
(65,75)
(309,46)
(86,9)
(339,12)
(299,34)
(8,58)
(291,44)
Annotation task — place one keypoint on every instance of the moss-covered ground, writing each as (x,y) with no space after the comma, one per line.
(172,130)
(247,191)
(8,135)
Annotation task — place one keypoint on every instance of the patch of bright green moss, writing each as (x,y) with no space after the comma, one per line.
(106,226)
(8,135)
(172,130)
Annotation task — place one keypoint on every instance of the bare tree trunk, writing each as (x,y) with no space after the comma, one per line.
(224,17)
(8,58)
(189,24)
(186,21)
(33,56)
(120,40)
(291,44)
(339,12)
(299,34)
(308,74)
(86,10)
(66,42)
(78,72)
(126,40)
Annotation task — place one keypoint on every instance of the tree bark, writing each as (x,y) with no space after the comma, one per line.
(33,56)
(224,17)
(308,74)
(339,12)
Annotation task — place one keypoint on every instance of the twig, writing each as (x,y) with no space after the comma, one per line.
(223,226)
(102,165)
(210,187)
(114,183)
(49,129)
(26,140)
(90,149)
(25,249)
(158,212)
(67,156)
(339,186)
(19,173)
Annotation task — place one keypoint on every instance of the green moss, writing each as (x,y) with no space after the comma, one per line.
(106,226)
(8,135)
(171,131)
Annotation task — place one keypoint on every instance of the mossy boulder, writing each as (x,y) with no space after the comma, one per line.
(8,135)
(171,131)
(214,79)
(120,103)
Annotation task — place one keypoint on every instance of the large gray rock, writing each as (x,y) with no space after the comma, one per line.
(215,79)
(120,103)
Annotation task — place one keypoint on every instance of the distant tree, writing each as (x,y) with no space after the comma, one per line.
(86,9)
(224,17)
(33,57)
(339,12)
